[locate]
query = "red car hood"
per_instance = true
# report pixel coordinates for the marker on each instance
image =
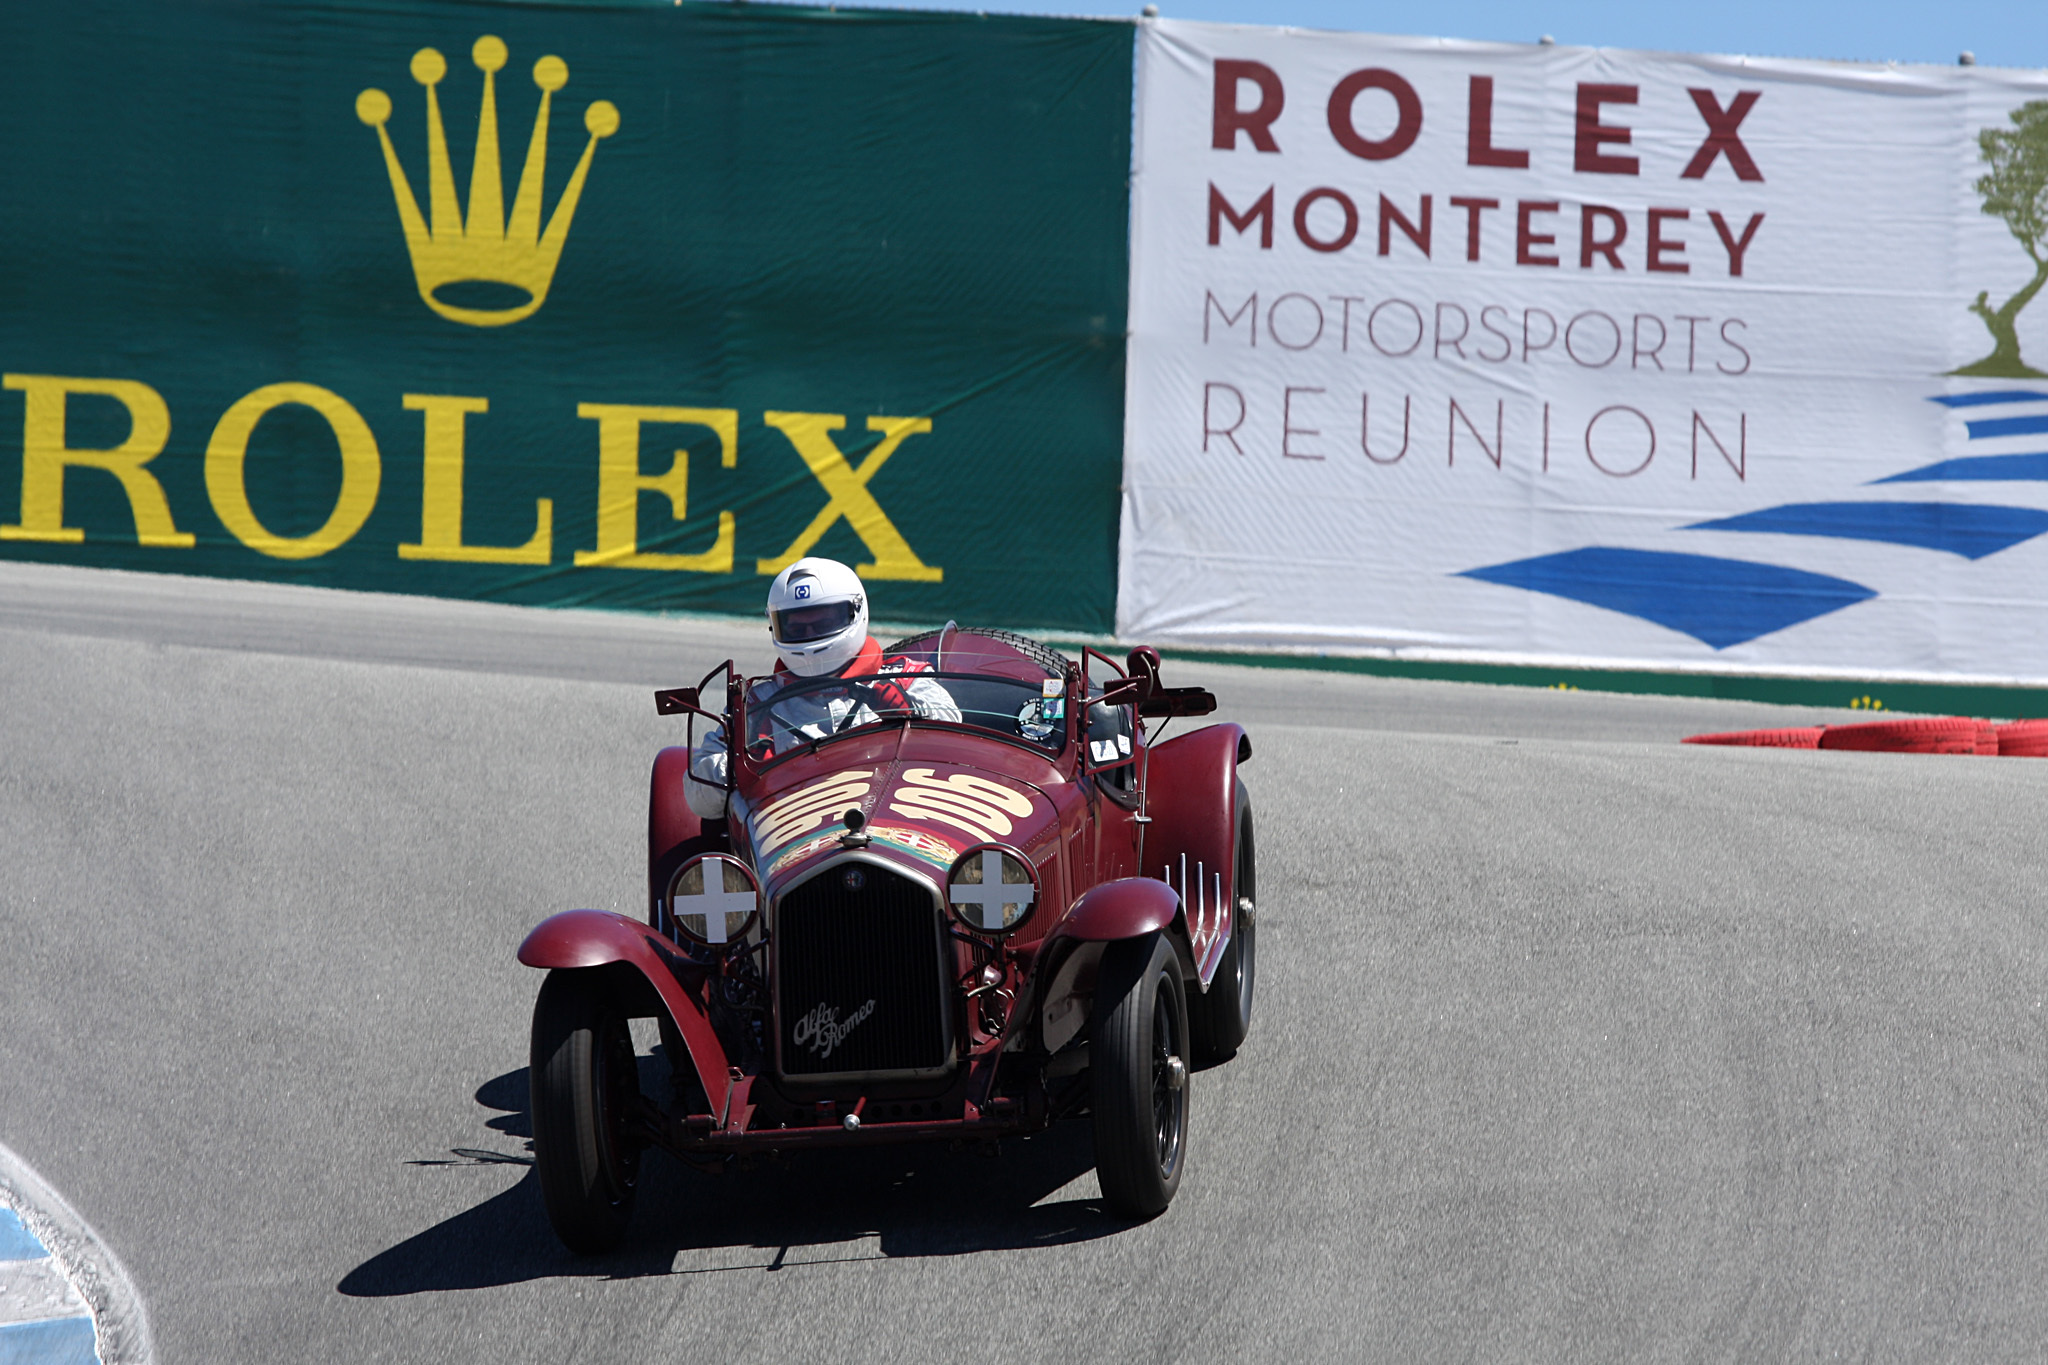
(923, 807)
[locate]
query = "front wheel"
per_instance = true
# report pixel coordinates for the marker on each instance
(585, 1082)
(1137, 1057)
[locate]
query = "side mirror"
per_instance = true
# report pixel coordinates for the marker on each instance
(1178, 701)
(673, 701)
(1154, 700)
(1123, 692)
(1143, 666)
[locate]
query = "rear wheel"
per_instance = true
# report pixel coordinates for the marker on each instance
(1221, 1017)
(1137, 1058)
(586, 1083)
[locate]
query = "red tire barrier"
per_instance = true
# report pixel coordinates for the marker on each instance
(2023, 739)
(1933, 735)
(1987, 738)
(1807, 737)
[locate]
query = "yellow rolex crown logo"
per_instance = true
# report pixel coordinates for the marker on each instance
(486, 250)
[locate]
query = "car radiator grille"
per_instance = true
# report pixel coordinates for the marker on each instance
(840, 947)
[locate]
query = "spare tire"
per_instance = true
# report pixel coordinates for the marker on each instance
(1044, 655)
(1804, 737)
(1929, 735)
(2023, 739)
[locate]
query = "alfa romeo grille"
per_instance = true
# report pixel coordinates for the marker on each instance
(858, 974)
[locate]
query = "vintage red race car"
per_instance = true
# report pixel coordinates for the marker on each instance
(962, 897)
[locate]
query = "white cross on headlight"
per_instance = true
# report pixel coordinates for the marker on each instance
(993, 893)
(715, 905)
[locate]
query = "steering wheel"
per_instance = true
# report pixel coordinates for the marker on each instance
(876, 703)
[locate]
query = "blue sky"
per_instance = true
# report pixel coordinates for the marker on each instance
(1999, 32)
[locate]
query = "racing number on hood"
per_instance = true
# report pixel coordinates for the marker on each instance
(975, 804)
(809, 807)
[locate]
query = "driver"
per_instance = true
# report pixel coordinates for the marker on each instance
(818, 619)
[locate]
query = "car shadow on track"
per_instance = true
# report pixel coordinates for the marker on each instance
(885, 1202)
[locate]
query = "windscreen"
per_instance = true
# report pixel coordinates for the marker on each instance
(781, 718)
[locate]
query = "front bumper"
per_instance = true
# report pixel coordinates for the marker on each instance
(784, 1127)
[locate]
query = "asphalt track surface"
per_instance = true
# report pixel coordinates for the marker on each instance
(1572, 1044)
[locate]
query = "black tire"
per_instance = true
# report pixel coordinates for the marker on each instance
(1221, 1017)
(1138, 1042)
(1048, 658)
(585, 1083)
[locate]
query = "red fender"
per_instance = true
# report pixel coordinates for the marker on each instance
(596, 938)
(1121, 909)
(1191, 795)
(669, 818)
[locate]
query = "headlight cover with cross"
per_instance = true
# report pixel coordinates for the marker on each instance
(714, 900)
(992, 889)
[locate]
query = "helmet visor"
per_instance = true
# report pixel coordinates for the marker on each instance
(804, 624)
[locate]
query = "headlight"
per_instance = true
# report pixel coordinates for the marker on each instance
(992, 889)
(714, 900)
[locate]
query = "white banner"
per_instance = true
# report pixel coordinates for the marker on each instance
(1461, 351)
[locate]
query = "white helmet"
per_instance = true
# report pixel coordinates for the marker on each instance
(817, 616)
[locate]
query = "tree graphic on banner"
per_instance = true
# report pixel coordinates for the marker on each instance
(2015, 189)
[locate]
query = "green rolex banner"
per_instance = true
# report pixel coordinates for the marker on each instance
(621, 305)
